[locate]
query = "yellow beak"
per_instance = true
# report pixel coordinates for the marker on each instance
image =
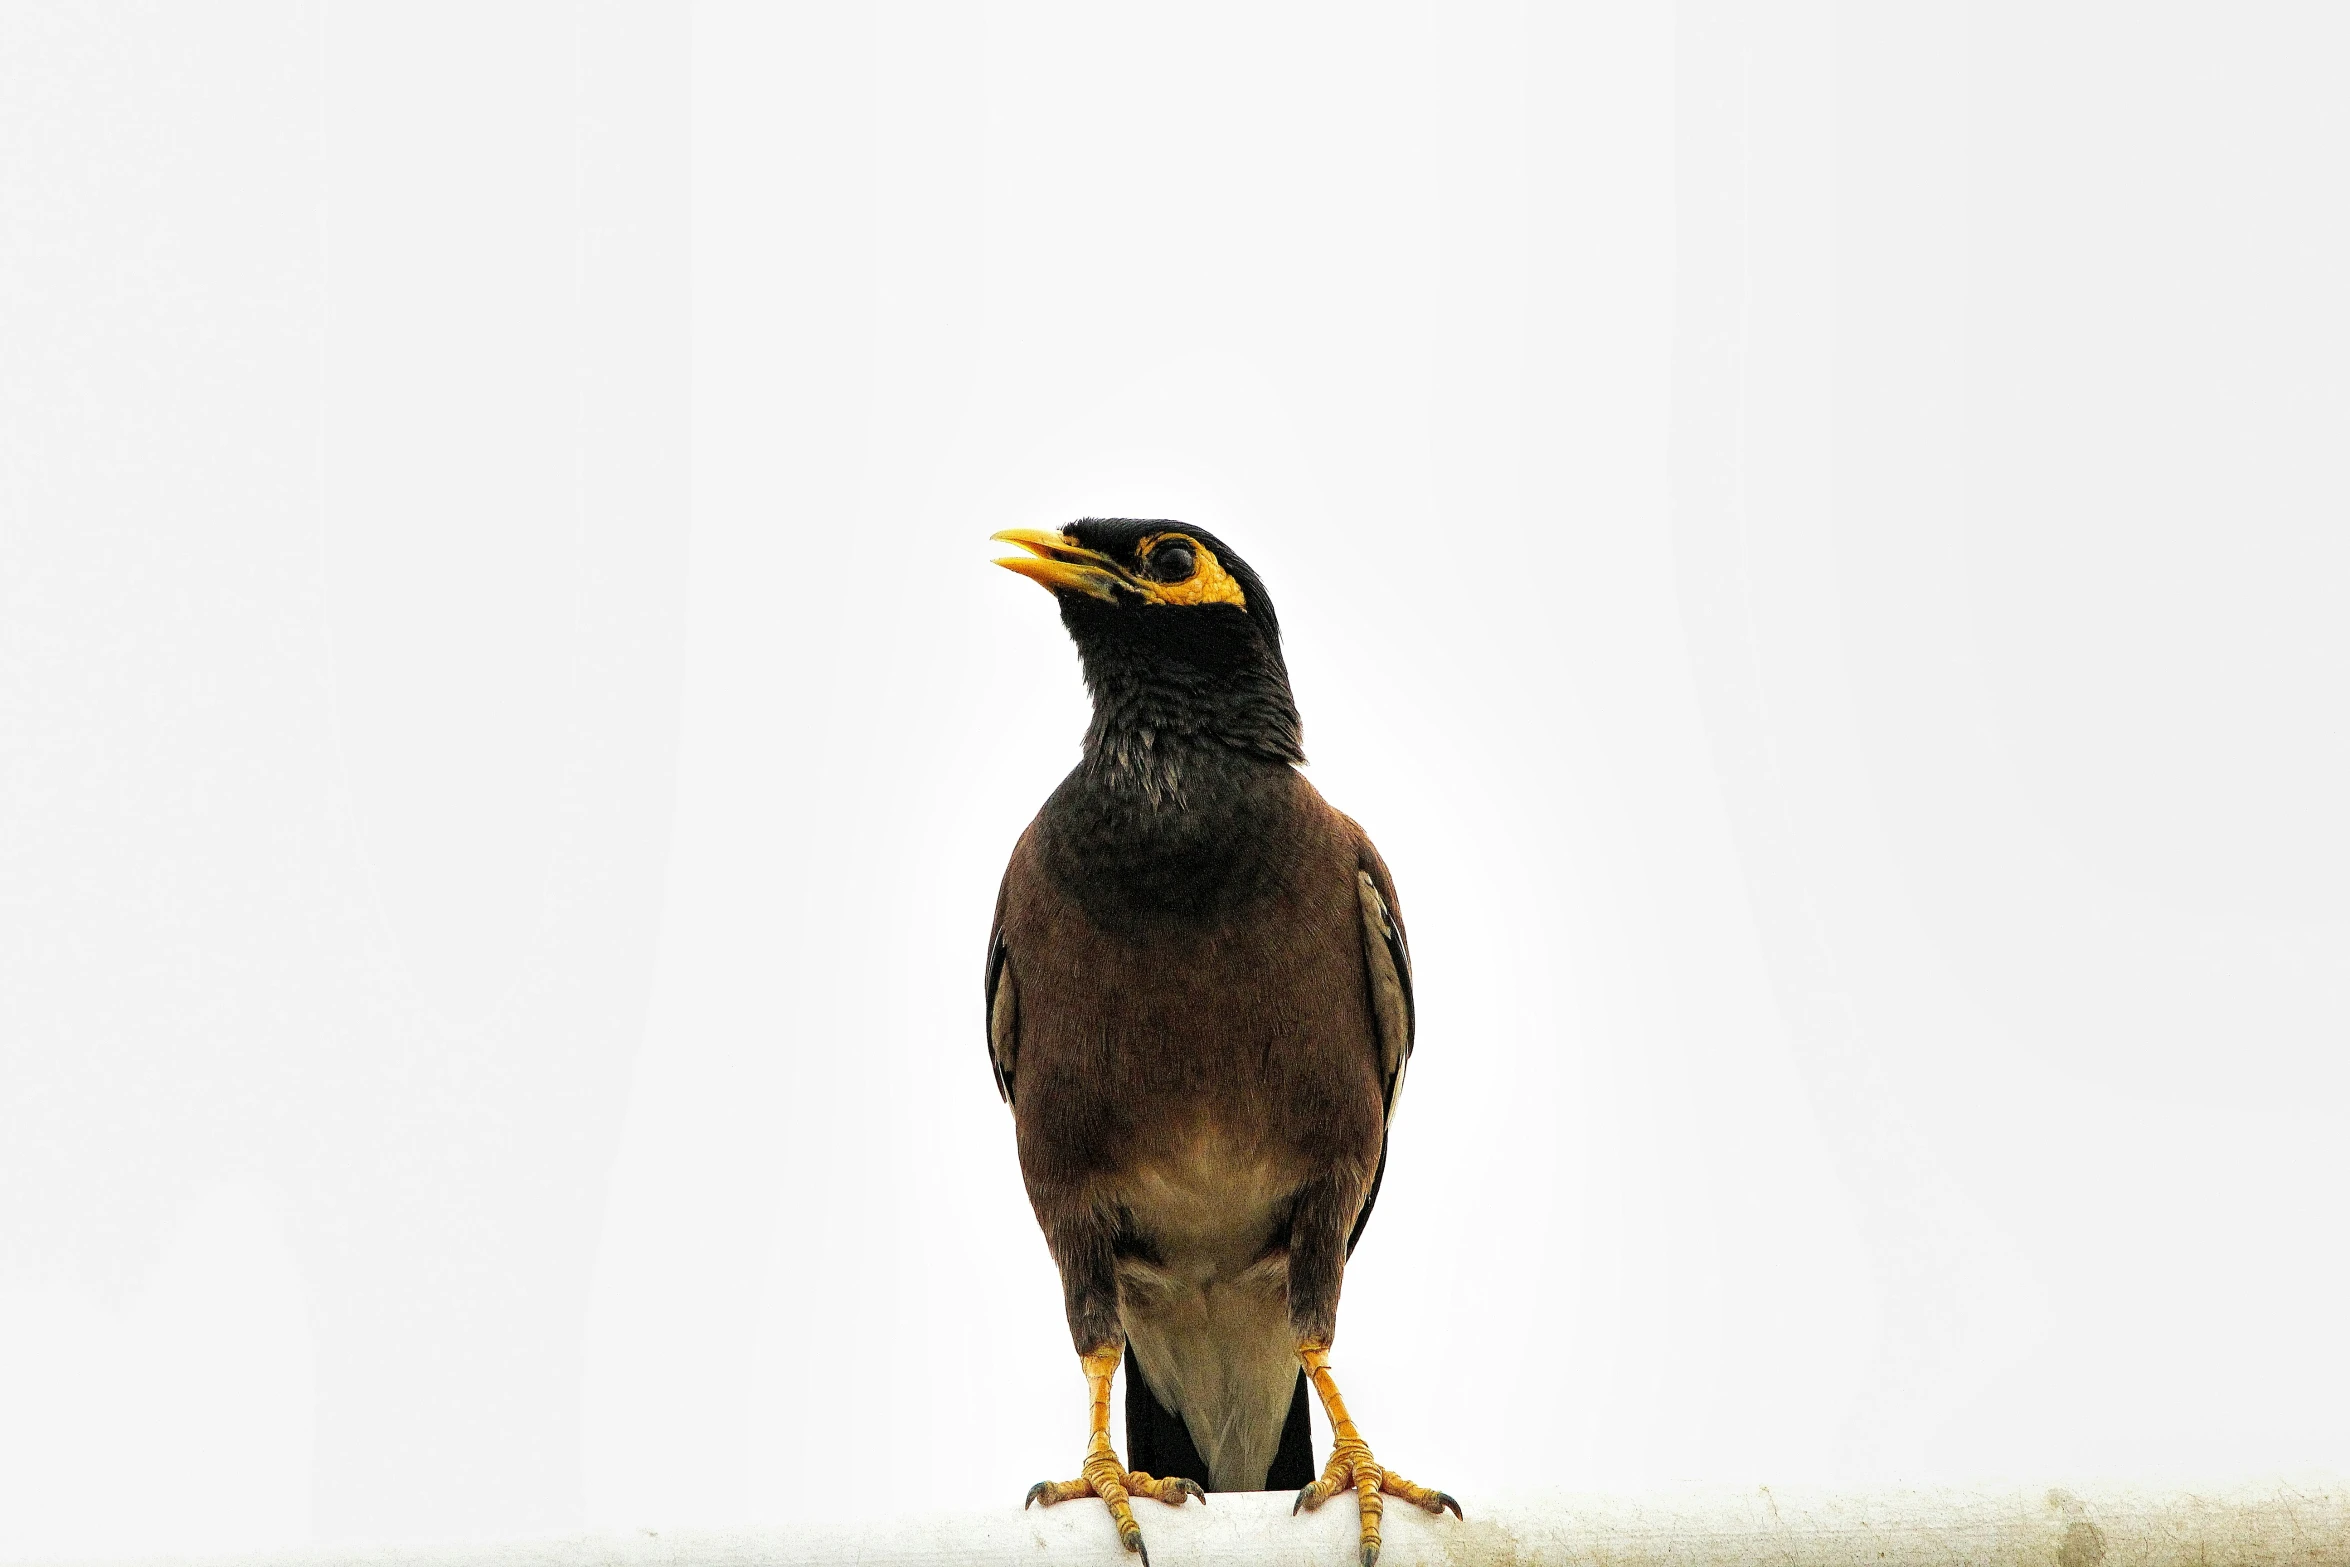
(1056, 561)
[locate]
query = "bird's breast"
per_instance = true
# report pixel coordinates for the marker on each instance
(1192, 1060)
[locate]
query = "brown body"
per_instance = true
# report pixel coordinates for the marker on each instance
(1201, 1106)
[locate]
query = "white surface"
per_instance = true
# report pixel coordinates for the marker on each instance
(1812, 535)
(2306, 1525)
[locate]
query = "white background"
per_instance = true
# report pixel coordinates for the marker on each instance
(1813, 535)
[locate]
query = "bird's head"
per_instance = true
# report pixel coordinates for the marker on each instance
(1177, 634)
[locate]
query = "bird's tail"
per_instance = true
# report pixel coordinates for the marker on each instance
(1159, 1443)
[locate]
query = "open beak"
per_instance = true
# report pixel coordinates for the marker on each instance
(1057, 563)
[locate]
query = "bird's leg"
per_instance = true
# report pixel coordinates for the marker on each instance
(1317, 1261)
(1102, 1474)
(1351, 1463)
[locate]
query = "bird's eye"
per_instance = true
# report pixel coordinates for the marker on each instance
(1172, 561)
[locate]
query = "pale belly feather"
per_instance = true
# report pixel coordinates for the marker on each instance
(1208, 1317)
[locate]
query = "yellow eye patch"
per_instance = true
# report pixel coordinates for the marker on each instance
(1209, 582)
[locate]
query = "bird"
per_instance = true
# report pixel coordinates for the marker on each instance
(1200, 1011)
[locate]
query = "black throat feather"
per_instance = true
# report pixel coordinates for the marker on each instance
(1178, 688)
(1185, 780)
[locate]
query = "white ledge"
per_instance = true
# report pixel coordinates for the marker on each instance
(2274, 1525)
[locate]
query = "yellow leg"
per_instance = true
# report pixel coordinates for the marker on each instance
(1351, 1464)
(1102, 1474)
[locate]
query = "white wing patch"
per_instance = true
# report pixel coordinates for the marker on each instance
(1003, 1017)
(1390, 963)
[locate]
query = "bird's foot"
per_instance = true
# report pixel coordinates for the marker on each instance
(1104, 1476)
(1352, 1467)
(1351, 1463)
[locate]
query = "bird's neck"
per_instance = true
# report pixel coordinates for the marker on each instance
(1186, 777)
(1173, 828)
(1158, 725)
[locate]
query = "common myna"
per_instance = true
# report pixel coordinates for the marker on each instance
(1199, 1007)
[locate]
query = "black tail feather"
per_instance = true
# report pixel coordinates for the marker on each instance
(1293, 1462)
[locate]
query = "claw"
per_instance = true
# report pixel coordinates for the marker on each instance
(1444, 1499)
(1351, 1464)
(1102, 1474)
(1116, 1487)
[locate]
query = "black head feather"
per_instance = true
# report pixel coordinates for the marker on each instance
(1170, 675)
